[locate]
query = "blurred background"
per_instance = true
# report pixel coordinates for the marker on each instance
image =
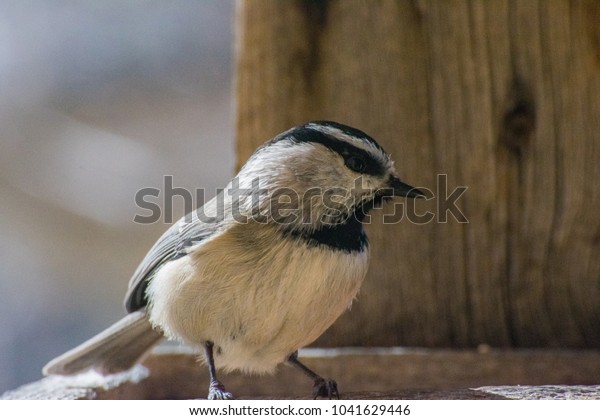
(98, 100)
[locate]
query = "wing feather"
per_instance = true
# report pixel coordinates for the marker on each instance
(188, 232)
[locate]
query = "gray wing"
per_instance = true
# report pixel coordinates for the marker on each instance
(173, 244)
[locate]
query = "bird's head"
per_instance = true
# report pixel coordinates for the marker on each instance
(318, 174)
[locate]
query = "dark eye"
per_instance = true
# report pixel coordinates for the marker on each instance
(355, 163)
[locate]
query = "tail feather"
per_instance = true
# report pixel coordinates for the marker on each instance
(115, 349)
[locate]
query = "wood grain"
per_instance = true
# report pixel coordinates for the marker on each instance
(501, 96)
(360, 373)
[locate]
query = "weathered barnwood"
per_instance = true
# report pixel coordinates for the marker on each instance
(361, 374)
(502, 96)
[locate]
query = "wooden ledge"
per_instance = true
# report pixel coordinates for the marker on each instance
(389, 373)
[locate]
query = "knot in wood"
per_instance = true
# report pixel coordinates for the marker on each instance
(519, 119)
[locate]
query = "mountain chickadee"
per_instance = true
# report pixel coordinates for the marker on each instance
(262, 269)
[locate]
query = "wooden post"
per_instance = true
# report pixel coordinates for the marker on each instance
(500, 96)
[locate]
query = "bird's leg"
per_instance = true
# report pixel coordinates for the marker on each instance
(216, 390)
(322, 387)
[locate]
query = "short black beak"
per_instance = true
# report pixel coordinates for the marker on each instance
(404, 190)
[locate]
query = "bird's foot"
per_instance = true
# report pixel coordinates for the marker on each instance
(216, 391)
(326, 388)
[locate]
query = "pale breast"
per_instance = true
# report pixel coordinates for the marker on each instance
(258, 299)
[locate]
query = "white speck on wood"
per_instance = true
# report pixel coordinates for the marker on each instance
(80, 386)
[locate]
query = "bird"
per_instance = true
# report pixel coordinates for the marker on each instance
(263, 268)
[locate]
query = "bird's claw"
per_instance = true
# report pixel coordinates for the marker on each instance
(216, 391)
(326, 388)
